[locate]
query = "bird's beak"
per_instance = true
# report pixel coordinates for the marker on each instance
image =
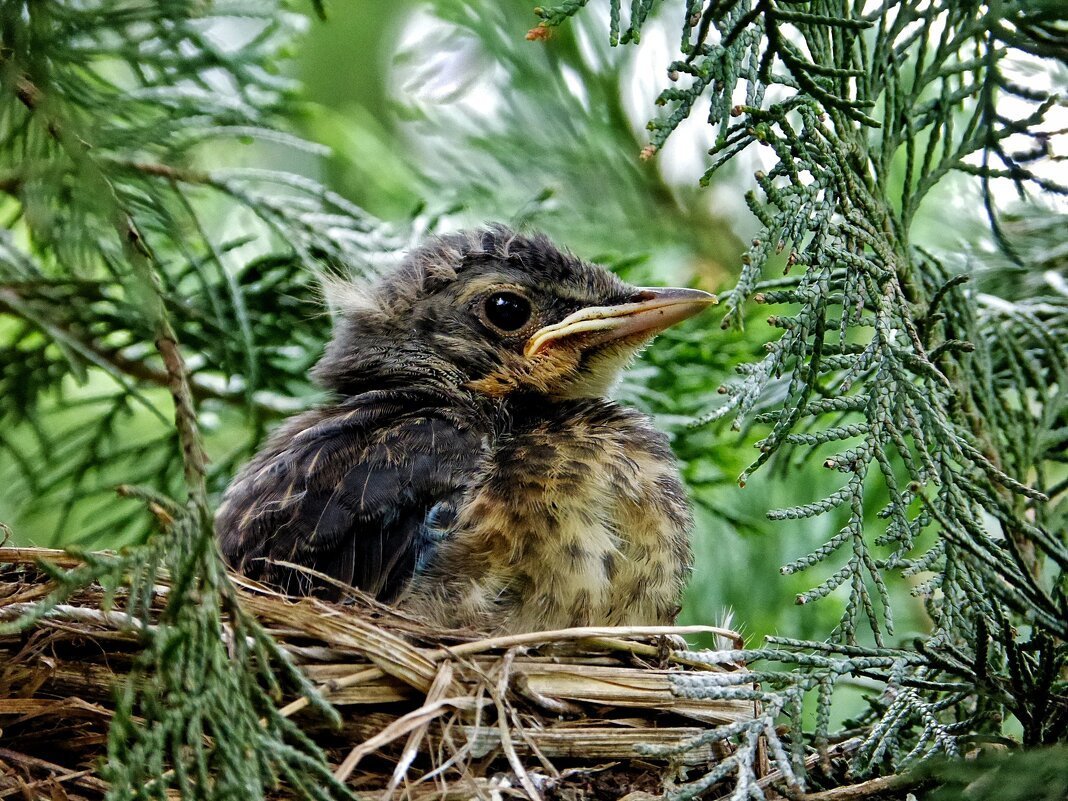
(649, 311)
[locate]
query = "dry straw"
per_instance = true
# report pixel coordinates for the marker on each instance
(426, 713)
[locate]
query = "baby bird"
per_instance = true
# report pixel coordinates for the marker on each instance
(471, 469)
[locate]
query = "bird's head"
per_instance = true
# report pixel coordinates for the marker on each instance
(499, 313)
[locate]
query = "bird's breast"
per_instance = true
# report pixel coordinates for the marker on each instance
(576, 517)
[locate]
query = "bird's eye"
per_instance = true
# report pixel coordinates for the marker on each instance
(507, 310)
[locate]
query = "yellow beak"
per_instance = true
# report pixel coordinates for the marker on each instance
(652, 310)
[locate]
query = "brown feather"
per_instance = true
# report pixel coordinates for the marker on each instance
(460, 478)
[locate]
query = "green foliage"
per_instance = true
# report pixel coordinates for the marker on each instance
(110, 111)
(888, 369)
(188, 686)
(1036, 775)
(541, 135)
(930, 386)
(115, 236)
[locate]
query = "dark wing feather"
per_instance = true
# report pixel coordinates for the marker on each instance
(346, 492)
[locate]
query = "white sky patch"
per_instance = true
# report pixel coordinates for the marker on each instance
(591, 34)
(1043, 77)
(645, 73)
(684, 156)
(575, 85)
(440, 64)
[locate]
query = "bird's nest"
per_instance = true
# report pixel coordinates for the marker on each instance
(427, 713)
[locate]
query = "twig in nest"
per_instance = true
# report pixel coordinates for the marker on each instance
(463, 751)
(555, 706)
(54, 556)
(87, 782)
(582, 633)
(24, 787)
(532, 744)
(346, 590)
(442, 684)
(854, 792)
(351, 680)
(398, 728)
(78, 614)
(506, 735)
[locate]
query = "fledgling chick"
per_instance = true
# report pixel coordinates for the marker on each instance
(471, 468)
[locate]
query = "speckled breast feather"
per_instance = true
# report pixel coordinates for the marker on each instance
(576, 517)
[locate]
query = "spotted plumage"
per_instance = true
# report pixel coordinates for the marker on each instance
(470, 468)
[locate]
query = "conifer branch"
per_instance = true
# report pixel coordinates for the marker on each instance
(898, 375)
(117, 267)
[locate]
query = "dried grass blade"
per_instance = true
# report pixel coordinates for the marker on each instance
(442, 684)
(398, 728)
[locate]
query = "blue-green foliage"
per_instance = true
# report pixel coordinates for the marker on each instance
(115, 238)
(113, 115)
(947, 403)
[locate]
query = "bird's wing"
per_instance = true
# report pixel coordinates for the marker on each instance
(353, 492)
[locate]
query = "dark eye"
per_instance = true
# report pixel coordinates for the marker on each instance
(507, 310)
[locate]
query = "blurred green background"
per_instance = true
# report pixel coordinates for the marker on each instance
(440, 116)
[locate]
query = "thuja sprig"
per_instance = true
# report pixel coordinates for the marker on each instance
(890, 369)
